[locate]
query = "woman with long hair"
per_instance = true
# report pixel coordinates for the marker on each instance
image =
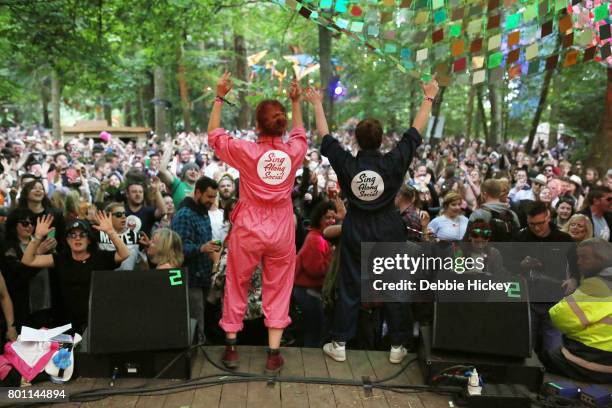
(564, 209)
(166, 249)
(34, 198)
(263, 228)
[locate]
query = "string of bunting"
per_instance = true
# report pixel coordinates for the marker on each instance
(471, 41)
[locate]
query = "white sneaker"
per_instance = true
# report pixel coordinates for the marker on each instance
(397, 354)
(335, 351)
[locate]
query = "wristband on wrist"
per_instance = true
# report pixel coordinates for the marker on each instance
(429, 98)
(220, 99)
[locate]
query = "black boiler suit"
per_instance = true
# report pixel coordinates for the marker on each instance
(370, 181)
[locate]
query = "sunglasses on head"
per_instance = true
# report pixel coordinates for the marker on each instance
(119, 214)
(75, 235)
(25, 223)
(481, 232)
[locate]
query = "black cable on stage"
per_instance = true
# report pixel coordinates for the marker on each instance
(229, 376)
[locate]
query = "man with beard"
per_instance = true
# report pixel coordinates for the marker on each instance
(226, 189)
(598, 208)
(192, 223)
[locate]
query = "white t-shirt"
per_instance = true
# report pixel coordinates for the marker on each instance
(212, 169)
(216, 224)
(600, 227)
(130, 238)
(447, 229)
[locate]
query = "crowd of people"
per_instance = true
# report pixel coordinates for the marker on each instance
(239, 209)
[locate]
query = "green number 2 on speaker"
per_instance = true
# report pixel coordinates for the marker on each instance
(514, 291)
(175, 277)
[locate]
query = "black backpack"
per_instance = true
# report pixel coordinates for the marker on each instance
(503, 226)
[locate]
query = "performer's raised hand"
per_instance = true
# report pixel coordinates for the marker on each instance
(224, 84)
(313, 95)
(430, 89)
(295, 92)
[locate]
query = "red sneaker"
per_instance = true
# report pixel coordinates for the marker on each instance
(274, 364)
(230, 357)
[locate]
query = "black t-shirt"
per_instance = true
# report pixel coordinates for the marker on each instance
(147, 219)
(73, 282)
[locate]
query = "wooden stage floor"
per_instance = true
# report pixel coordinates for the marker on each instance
(309, 362)
(301, 362)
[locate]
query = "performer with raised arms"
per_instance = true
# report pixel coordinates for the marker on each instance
(263, 228)
(371, 181)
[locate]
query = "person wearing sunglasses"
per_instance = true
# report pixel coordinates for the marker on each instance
(476, 244)
(29, 288)
(129, 236)
(74, 266)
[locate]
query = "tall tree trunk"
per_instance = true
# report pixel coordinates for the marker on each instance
(601, 145)
(477, 126)
(553, 119)
(160, 102)
(505, 114)
(541, 106)
(108, 112)
(183, 90)
(542, 102)
(127, 113)
(149, 95)
(413, 101)
(140, 108)
(56, 96)
(44, 100)
(482, 114)
(436, 110)
(326, 73)
(241, 75)
(470, 114)
(495, 132)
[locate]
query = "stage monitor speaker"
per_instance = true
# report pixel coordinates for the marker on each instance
(138, 311)
(500, 329)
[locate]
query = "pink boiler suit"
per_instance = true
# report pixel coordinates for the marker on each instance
(263, 229)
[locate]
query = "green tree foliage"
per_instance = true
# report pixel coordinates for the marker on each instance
(106, 53)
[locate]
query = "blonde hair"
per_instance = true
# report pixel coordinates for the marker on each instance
(72, 203)
(579, 217)
(57, 200)
(169, 248)
(449, 198)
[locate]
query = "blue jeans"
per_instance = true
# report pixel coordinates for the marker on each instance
(312, 313)
(545, 336)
